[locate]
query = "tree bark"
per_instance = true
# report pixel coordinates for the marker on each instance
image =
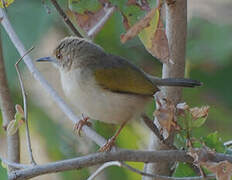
(8, 112)
(176, 31)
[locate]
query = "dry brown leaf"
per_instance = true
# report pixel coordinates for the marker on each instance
(88, 20)
(160, 48)
(223, 169)
(139, 26)
(201, 112)
(165, 114)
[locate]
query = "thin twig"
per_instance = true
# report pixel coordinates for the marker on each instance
(94, 30)
(165, 177)
(152, 127)
(65, 18)
(25, 107)
(14, 165)
(122, 155)
(38, 76)
(104, 166)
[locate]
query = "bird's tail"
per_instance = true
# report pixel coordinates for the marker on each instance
(182, 82)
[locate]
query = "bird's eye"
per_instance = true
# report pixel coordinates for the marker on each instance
(58, 56)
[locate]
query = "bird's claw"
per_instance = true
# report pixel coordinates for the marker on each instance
(108, 146)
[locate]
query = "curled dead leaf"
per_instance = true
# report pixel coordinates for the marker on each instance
(160, 47)
(165, 114)
(199, 112)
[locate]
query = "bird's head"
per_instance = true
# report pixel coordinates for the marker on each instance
(72, 52)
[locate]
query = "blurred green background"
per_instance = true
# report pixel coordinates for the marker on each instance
(209, 53)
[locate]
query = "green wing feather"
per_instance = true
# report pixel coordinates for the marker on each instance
(124, 77)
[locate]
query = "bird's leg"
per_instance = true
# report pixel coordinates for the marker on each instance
(111, 141)
(84, 121)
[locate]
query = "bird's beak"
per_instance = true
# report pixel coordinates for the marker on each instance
(47, 59)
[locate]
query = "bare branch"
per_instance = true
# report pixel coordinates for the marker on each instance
(122, 155)
(8, 112)
(59, 101)
(25, 107)
(65, 18)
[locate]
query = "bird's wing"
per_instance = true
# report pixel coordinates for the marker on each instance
(119, 75)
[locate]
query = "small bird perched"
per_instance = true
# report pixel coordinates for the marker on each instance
(103, 86)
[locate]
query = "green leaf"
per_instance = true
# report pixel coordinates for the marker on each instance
(3, 171)
(198, 122)
(183, 170)
(80, 6)
(214, 142)
(5, 3)
(180, 140)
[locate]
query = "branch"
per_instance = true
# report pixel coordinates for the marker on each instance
(122, 155)
(8, 112)
(25, 107)
(94, 30)
(37, 75)
(176, 31)
(65, 18)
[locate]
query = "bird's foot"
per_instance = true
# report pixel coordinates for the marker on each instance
(78, 126)
(108, 146)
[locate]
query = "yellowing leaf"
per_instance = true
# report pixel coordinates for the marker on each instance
(12, 128)
(4, 165)
(150, 30)
(19, 115)
(5, 3)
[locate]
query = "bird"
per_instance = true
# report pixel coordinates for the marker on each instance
(104, 86)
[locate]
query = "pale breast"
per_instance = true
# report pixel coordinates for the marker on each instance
(90, 99)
